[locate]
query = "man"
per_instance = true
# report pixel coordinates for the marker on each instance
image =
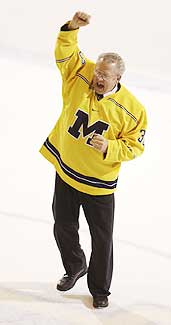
(101, 125)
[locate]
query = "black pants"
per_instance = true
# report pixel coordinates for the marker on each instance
(99, 213)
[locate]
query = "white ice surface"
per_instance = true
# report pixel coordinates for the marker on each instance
(30, 263)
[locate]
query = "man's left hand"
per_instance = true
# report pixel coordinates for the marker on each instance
(99, 143)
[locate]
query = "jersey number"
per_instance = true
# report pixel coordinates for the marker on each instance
(141, 138)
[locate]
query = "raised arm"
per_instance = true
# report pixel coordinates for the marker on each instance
(68, 56)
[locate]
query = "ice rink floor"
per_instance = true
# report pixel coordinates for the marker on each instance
(140, 291)
(30, 264)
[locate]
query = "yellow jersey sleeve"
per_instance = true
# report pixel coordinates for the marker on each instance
(68, 56)
(130, 144)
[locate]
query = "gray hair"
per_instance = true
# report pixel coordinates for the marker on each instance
(113, 58)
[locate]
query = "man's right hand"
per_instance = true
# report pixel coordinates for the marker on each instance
(79, 19)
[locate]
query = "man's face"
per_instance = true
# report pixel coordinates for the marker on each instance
(105, 77)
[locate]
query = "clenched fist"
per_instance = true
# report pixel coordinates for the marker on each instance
(99, 143)
(79, 19)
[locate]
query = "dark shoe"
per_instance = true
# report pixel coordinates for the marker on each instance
(100, 302)
(68, 281)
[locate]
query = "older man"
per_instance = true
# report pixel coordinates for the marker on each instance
(101, 125)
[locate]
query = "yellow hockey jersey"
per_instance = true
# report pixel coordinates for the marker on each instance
(119, 117)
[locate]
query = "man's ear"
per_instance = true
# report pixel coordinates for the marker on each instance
(119, 78)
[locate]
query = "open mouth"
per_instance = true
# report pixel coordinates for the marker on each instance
(99, 85)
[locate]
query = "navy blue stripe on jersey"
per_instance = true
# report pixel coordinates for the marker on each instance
(63, 60)
(92, 181)
(82, 77)
(131, 115)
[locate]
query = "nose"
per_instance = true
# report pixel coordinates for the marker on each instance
(100, 77)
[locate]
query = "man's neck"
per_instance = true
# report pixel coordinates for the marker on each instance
(114, 90)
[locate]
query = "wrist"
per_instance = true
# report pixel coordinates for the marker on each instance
(72, 25)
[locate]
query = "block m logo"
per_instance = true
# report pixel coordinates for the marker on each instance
(82, 120)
